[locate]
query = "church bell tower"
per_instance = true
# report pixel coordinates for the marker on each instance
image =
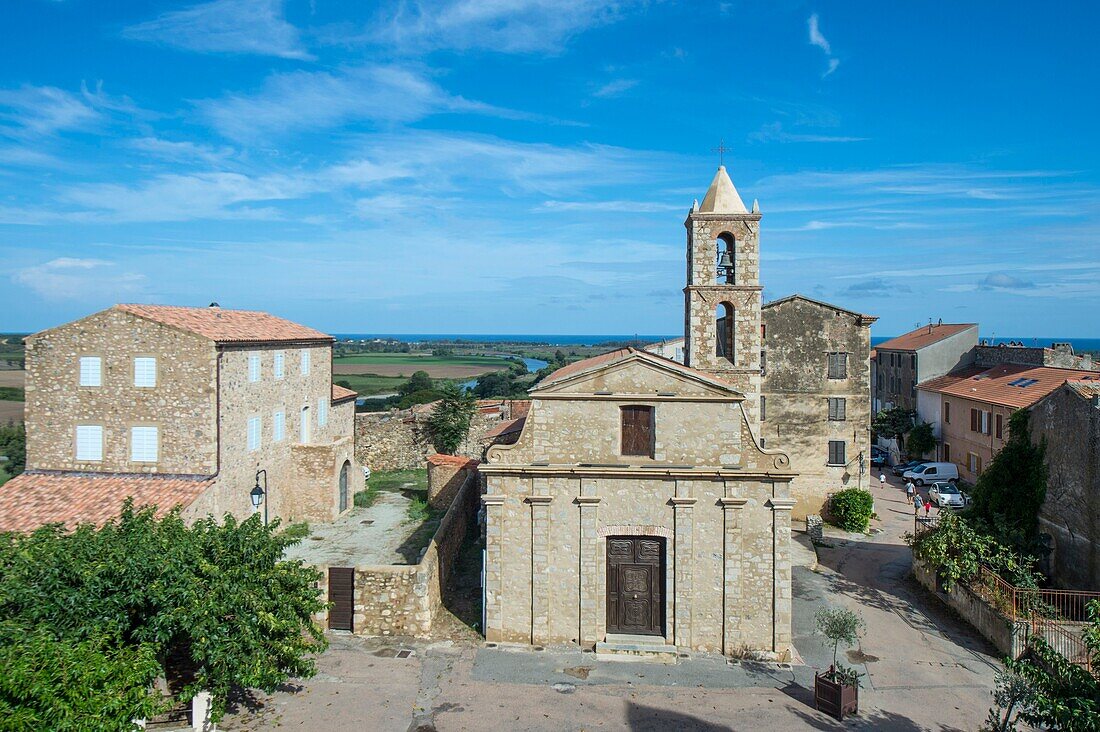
(722, 298)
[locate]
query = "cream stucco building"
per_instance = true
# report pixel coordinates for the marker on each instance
(182, 406)
(638, 508)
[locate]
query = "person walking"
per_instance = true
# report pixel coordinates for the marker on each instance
(882, 480)
(910, 489)
(927, 507)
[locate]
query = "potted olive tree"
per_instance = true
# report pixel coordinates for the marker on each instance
(836, 692)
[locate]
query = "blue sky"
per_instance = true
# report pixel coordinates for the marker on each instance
(525, 166)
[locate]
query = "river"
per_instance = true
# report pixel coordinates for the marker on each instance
(533, 365)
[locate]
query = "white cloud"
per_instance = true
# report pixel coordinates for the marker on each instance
(611, 206)
(42, 110)
(1003, 281)
(819, 40)
(70, 278)
(301, 100)
(775, 132)
(182, 152)
(615, 88)
(510, 26)
(225, 26)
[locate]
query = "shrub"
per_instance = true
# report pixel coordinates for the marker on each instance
(366, 497)
(851, 509)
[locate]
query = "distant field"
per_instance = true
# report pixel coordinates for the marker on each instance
(11, 412)
(12, 378)
(404, 364)
(368, 384)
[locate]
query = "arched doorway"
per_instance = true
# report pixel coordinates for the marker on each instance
(344, 470)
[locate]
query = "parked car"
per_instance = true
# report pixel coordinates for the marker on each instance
(931, 472)
(946, 495)
(900, 468)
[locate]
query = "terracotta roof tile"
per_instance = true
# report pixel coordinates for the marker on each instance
(1005, 384)
(340, 393)
(227, 326)
(1087, 389)
(507, 427)
(621, 354)
(923, 336)
(458, 460)
(31, 500)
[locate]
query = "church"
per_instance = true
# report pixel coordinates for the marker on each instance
(640, 509)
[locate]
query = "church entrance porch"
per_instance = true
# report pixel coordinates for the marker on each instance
(635, 585)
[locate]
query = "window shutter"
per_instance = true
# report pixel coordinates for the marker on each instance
(305, 362)
(91, 371)
(278, 426)
(145, 371)
(143, 444)
(253, 433)
(973, 420)
(637, 431)
(280, 361)
(89, 442)
(253, 367)
(1000, 426)
(841, 409)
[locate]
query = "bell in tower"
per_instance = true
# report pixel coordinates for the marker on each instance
(723, 295)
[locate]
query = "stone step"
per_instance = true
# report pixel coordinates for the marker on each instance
(636, 648)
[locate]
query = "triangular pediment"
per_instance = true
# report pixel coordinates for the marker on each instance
(638, 374)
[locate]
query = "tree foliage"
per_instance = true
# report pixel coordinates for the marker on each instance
(13, 445)
(102, 612)
(920, 441)
(840, 625)
(894, 422)
(958, 546)
(449, 422)
(851, 509)
(1011, 490)
(1065, 695)
(419, 381)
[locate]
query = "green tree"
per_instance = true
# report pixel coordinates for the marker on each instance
(1011, 490)
(559, 357)
(959, 545)
(920, 441)
(851, 509)
(13, 446)
(217, 595)
(893, 423)
(449, 422)
(419, 381)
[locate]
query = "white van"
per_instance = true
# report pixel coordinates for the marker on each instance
(931, 472)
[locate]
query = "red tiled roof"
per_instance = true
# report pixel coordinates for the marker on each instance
(923, 336)
(340, 394)
(1087, 389)
(997, 385)
(620, 354)
(457, 460)
(31, 500)
(520, 407)
(227, 326)
(507, 427)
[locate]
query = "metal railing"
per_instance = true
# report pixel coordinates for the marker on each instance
(922, 524)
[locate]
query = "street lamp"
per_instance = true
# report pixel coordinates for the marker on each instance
(258, 494)
(862, 469)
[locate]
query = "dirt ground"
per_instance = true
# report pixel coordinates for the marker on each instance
(435, 371)
(10, 411)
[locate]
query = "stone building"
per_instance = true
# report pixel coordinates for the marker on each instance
(969, 409)
(182, 406)
(816, 395)
(637, 510)
(1068, 419)
(926, 353)
(1058, 355)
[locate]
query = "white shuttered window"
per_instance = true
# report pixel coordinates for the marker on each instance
(305, 361)
(89, 442)
(143, 444)
(322, 412)
(253, 433)
(91, 371)
(280, 364)
(279, 427)
(145, 371)
(253, 367)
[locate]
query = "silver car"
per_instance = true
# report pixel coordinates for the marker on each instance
(945, 495)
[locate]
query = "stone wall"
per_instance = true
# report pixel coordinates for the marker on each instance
(403, 600)
(799, 334)
(1070, 424)
(446, 475)
(1008, 637)
(1059, 355)
(399, 440)
(181, 405)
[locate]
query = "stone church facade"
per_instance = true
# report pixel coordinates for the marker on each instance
(638, 505)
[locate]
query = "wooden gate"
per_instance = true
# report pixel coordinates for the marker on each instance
(341, 593)
(636, 585)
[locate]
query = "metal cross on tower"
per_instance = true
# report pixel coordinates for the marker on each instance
(721, 150)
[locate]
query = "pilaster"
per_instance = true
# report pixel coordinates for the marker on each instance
(494, 520)
(540, 500)
(684, 557)
(781, 573)
(731, 573)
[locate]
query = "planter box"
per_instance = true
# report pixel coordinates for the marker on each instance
(835, 698)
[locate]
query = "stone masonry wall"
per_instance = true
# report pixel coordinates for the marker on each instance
(399, 440)
(399, 600)
(181, 405)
